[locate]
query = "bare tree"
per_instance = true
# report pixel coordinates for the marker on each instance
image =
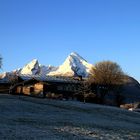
(107, 76)
(13, 79)
(0, 62)
(84, 91)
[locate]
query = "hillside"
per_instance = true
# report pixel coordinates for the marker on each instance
(32, 118)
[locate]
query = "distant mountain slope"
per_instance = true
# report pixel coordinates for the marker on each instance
(132, 90)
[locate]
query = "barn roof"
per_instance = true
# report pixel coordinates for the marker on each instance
(59, 79)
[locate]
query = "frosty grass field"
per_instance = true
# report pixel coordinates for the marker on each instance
(28, 118)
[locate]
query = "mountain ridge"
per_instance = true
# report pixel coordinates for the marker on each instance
(74, 65)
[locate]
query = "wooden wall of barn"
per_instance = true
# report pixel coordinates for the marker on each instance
(31, 89)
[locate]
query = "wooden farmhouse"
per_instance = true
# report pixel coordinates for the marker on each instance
(49, 86)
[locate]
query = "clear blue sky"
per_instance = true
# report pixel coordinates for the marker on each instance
(49, 30)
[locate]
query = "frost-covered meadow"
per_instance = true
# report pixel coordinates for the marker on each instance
(28, 118)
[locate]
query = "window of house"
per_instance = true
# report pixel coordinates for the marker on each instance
(31, 89)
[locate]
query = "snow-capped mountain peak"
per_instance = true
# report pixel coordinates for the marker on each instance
(74, 65)
(31, 68)
(34, 68)
(76, 55)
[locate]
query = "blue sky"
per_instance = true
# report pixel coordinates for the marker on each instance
(49, 30)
